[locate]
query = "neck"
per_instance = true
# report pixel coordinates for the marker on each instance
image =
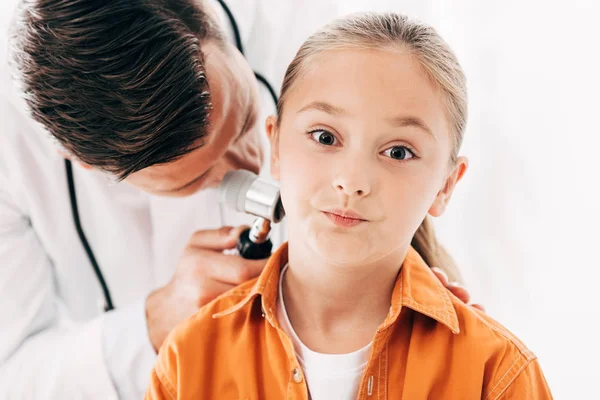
(324, 302)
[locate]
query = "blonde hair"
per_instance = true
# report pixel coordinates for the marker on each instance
(396, 31)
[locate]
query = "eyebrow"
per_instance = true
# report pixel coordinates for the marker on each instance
(400, 121)
(323, 106)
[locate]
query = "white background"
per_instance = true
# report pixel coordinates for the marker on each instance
(523, 225)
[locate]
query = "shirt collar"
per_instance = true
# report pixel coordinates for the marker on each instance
(420, 290)
(416, 288)
(266, 286)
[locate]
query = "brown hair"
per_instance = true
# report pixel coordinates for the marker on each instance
(121, 85)
(388, 31)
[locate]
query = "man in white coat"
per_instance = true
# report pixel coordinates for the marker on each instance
(152, 103)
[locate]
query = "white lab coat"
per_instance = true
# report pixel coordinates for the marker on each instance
(55, 340)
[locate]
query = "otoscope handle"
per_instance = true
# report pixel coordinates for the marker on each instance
(253, 251)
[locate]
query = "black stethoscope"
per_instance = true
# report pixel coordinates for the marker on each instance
(108, 305)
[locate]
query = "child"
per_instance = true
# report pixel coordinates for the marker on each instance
(365, 145)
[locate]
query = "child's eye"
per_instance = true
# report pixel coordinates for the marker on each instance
(323, 137)
(401, 153)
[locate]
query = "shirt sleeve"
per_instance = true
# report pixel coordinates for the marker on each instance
(163, 381)
(528, 383)
(128, 351)
(158, 391)
(43, 353)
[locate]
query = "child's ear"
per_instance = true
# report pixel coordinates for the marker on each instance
(273, 135)
(443, 197)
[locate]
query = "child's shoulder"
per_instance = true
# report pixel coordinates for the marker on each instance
(204, 319)
(197, 331)
(508, 362)
(478, 324)
(190, 349)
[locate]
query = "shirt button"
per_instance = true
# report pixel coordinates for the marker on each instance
(297, 375)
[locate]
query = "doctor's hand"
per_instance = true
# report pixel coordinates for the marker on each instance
(203, 273)
(455, 288)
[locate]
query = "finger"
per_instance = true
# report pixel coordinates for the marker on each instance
(478, 306)
(234, 269)
(459, 292)
(441, 275)
(216, 239)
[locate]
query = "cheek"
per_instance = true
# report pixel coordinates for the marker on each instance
(406, 197)
(299, 173)
(301, 160)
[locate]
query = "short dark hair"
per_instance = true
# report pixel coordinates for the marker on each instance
(120, 84)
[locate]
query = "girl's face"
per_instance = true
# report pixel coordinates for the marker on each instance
(364, 133)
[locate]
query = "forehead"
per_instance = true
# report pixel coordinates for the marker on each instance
(383, 82)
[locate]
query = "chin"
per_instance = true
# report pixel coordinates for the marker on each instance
(339, 249)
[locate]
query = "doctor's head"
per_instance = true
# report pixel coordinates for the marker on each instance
(148, 91)
(370, 122)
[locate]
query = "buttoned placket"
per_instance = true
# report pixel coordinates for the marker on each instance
(374, 382)
(375, 379)
(297, 386)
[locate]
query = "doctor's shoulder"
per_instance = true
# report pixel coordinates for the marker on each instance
(24, 143)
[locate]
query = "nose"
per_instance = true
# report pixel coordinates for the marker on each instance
(352, 181)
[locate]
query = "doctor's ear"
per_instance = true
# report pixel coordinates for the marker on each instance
(443, 197)
(273, 135)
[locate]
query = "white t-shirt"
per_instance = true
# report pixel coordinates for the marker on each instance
(328, 376)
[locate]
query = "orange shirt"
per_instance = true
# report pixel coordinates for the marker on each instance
(430, 346)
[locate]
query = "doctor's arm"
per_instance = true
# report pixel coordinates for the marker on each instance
(43, 352)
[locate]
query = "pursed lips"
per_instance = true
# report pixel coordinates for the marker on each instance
(344, 217)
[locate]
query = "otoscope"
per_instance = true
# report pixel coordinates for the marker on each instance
(246, 192)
